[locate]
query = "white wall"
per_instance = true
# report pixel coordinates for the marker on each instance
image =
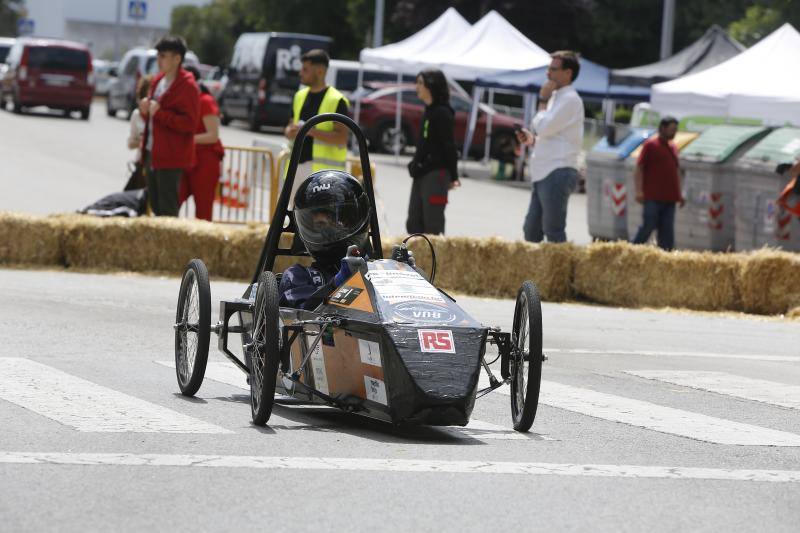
(50, 16)
(94, 22)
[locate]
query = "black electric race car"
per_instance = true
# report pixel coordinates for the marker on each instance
(386, 344)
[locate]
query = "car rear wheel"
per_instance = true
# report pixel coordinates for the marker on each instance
(85, 111)
(253, 122)
(526, 360)
(386, 137)
(265, 349)
(192, 327)
(15, 107)
(110, 111)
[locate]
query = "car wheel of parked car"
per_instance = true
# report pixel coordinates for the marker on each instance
(503, 146)
(253, 122)
(386, 135)
(223, 119)
(15, 107)
(110, 111)
(85, 113)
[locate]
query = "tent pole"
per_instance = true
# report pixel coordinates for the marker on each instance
(397, 127)
(357, 110)
(526, 123)
(487, 144)
(477, 94)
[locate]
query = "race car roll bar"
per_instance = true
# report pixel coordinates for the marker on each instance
(278, 226)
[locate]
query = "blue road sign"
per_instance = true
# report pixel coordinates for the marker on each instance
(25, 26)
(137, 9)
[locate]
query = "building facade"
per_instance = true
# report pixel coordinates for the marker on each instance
(109, 27)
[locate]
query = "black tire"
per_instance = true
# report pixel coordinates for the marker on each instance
(265, 351)
(223, 118)
(503, 145)
(111, 112)
(85, 112)
(526, 358)
(15, 107)
(192, 327)
(252, 121)
(384, 138)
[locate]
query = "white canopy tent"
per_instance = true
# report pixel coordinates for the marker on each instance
(760, 83)
(448, 28)
(461, 51)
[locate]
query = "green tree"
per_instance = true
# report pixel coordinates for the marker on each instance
(10, 11)
(757, 23)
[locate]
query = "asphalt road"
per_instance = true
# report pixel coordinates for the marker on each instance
(52, 164)
(648, 421)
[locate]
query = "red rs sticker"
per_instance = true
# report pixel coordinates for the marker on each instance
(436, 340)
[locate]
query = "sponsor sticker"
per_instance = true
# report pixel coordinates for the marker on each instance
(376, 390)
(318, 368)
(436, 341)
(370, 352)
(423, 312)
(345, 295)
(395, 286)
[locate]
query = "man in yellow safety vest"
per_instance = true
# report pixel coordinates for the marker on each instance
(326, 144)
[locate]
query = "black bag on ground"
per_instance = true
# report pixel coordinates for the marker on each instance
(137, 179)
(119, 204)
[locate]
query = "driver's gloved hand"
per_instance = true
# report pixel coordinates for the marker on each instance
(343, 274)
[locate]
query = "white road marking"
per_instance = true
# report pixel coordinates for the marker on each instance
(657, 417)
(400, 465)
(650, 353)
(86, 406)
(757, 390)
(227, 373)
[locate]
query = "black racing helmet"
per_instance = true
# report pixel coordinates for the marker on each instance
(332, 211)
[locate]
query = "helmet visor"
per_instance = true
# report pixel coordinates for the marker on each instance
(332, 222)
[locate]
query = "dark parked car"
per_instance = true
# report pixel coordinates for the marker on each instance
(49, 72)
(263, 76)
(377, 119)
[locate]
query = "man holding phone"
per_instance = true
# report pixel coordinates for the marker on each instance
(171, 113)
(557, 138)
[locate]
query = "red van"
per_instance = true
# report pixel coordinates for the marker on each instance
(49, 72)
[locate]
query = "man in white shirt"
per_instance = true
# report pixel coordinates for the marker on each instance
(557, 138)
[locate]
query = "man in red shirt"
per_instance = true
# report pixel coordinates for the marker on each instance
(171, 112)
(658, 185)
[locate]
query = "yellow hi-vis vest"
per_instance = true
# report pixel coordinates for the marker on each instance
(323, 155)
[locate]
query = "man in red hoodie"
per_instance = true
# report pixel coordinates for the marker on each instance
(171, 113)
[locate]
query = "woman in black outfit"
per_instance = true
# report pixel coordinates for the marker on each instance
(434, 165)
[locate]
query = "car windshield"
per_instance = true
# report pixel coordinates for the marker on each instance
(55, 58)
(4, 52)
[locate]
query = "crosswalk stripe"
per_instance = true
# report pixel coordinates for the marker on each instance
(658, 417)
(86, 406)
(224, 372)
(651, 353)
(757, 390)
(400, 465)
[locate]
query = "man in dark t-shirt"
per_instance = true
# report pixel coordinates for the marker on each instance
(658, 185)
(325, 146)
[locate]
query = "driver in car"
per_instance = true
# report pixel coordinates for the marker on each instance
(331, 211)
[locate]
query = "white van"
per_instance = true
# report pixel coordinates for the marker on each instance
(344, 75)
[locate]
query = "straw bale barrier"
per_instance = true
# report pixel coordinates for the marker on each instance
(764, 282)
(638, 276)
(494, 267)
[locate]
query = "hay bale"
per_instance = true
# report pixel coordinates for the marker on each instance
(162, 244)
(644, 276)
(794, 313)
(494, 267)
(29, 240)
(770, 282)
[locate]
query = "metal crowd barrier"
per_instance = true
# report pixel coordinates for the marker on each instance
(247, 174)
